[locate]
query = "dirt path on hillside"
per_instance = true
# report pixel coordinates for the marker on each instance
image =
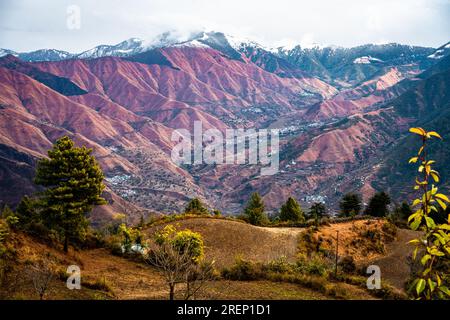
(394, 266)
(283, 230)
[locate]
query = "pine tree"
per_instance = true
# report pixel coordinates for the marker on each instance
(378, 205)
(291, 211)
(74, 183)
(350, 205)
(28, 212)
(405, 211)
(255, 210)
(195, 206)
(317, 211)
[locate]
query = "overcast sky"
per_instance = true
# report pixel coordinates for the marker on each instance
(33, 24)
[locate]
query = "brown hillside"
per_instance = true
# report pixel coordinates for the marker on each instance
(225, 240)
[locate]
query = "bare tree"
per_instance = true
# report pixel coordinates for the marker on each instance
(172, 263)
(179, 267)
(197, 276)
(42, 275)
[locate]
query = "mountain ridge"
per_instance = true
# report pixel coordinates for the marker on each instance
(126, 108)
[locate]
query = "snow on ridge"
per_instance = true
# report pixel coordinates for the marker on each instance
(5, 52)
(366, 60)
(438, 54)
(237, 42)
(192, 43)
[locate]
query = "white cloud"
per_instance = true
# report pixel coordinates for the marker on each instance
(29, 24)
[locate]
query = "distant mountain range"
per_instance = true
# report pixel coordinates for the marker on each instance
(343, 115)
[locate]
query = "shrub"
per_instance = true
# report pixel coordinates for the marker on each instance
(347, 264)
(10, 217)
(389, 229)
(280, 265)
(243, 270)
(314, 265)
(195, 206)
(308, 243)
(131, 240)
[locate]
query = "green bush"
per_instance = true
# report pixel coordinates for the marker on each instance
(243, 270)
(280, 265)
(195, 206)
(314, 265)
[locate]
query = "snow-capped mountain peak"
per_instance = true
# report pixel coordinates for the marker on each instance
(233, 46)
(5, 52)
(440, 52)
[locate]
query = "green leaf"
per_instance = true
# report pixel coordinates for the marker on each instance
(438, 279)
(420, 286)
(445, 290)
(416, 223)
(426, 271)
(444, 226)
(436, 252)
(441, 203)
(430, 222)
(415, 253)
(431, 284)
(414, 215)
(424, 259)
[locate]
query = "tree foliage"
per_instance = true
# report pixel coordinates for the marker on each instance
(292, 211)
(254, 211)
(195, 206)
(402, 212)
(433, 247)
(350, 205)
(378, 205)
(74, 183)
(180, 257)
(317, 211)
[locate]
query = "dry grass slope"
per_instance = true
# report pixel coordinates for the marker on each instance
(225, 240)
